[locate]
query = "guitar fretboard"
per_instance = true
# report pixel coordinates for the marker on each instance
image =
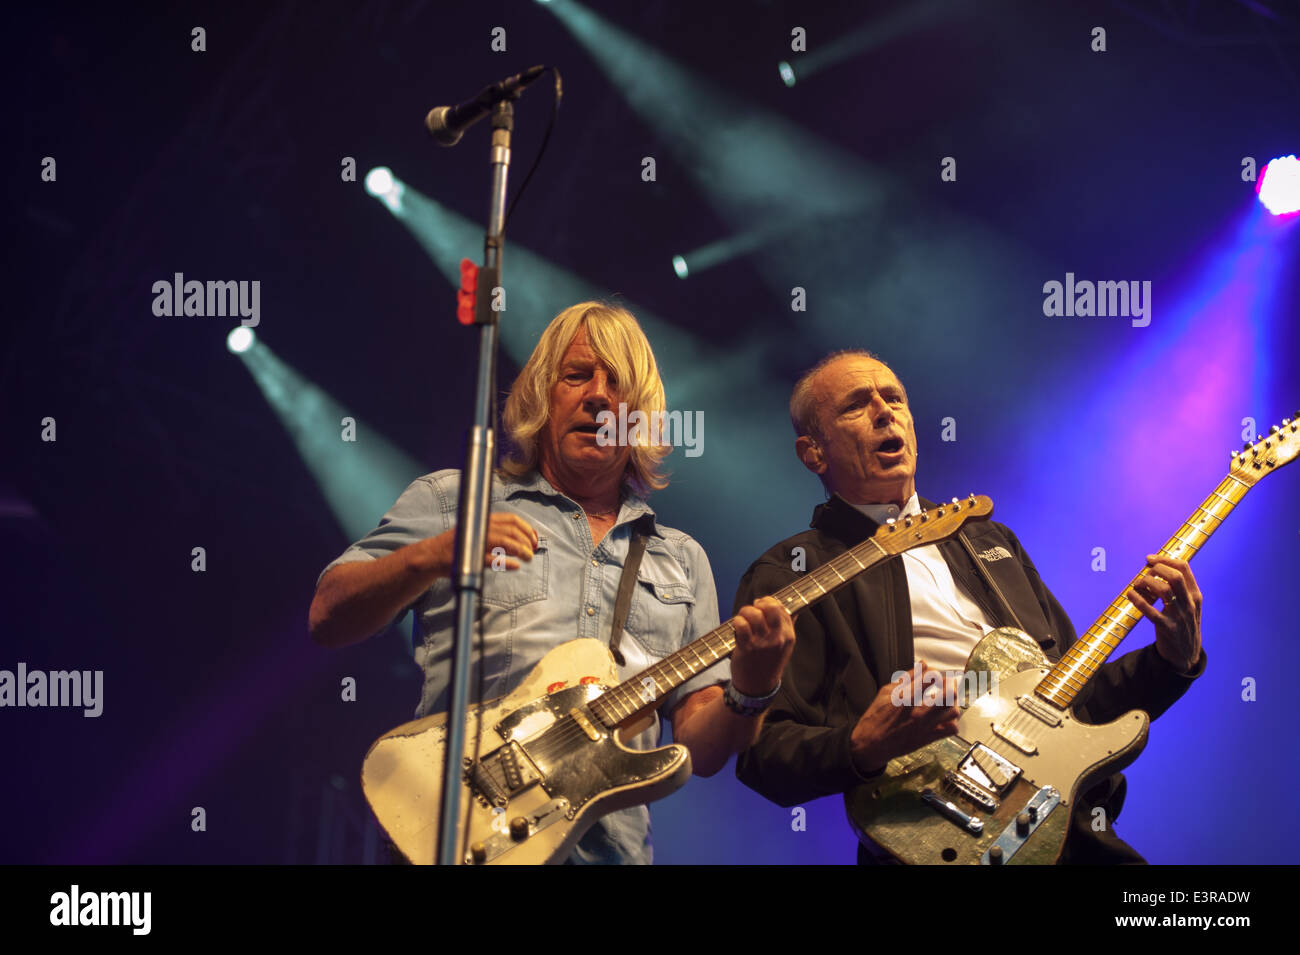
(643, 690)
(1077, 666)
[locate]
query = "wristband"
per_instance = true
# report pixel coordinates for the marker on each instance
(738, 702)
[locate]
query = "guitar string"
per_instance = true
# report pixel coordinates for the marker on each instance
(567, 729)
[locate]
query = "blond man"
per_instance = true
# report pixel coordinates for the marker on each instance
(565, 507)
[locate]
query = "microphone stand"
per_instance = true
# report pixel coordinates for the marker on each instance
(475, 488)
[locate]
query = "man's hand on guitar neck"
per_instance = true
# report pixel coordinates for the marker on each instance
(707, 727)
(900, 719)
(1178, 622)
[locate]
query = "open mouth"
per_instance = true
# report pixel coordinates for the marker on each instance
(587, 428)
(890, 446)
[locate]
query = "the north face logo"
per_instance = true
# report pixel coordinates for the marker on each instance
(995, 553)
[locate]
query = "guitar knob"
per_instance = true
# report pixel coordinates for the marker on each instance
(995, 855)
(1022, 824)
(478, 852)
(519, 828)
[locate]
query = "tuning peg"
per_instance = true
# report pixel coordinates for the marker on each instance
(907, 522)
(1274, 430)
(1246, 446)
(1234, 455)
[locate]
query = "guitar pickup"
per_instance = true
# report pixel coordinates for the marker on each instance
(998, 771)
(1016, 738)
(498, 776)
(1040, 710)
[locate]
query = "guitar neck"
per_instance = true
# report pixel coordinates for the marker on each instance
(616, 705)
(1090, 651)
(642, 691)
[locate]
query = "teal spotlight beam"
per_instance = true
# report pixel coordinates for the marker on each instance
(874, 34)
(732, 247)
(753, 163)
(543, 288)
(832, 210)
(360, 479)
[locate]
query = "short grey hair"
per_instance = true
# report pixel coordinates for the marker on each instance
(803, 405)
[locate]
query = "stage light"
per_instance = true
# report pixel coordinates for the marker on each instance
(787, 73)
(379, 181)
(240, 340)
(1279, 186)
(384, 186)
(679, 266)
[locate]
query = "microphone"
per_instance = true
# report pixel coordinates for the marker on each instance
(447, 123)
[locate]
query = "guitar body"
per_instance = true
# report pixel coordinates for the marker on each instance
(537, 771)
(1014, 753)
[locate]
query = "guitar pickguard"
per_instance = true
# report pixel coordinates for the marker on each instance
(535, 778)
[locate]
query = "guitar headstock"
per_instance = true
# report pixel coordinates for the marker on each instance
(1269, 452)
(928, 527)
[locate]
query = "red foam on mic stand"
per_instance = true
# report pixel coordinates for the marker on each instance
(465, 294)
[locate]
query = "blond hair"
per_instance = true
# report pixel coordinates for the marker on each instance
(618, 341)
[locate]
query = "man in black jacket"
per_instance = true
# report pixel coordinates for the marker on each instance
(833, 724)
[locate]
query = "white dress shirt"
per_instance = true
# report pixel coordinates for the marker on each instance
(946, 622)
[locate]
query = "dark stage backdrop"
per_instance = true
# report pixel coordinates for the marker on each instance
(166, 506)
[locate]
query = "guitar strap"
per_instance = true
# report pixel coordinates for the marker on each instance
(635, 548)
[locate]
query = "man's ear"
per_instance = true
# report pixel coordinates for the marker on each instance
(810, 453)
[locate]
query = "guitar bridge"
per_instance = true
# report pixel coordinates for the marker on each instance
(495, 778)
(972, 791)
(983, 775)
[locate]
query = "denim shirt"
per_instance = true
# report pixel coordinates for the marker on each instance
(567, 591)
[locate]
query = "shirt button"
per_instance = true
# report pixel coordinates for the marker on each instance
(595, 562)
(577, 516)
(590, 611)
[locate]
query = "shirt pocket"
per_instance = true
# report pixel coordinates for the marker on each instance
(511, 589)
(662, 603)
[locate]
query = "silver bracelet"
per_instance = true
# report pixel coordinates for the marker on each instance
(738, 702)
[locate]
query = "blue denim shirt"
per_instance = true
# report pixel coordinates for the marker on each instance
(567, 591)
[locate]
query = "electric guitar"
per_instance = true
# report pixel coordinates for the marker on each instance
(1001, 791)
(542, 764)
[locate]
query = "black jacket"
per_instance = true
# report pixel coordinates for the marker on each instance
(850, 643)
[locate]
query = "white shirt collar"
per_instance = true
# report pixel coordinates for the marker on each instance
(880, 513)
